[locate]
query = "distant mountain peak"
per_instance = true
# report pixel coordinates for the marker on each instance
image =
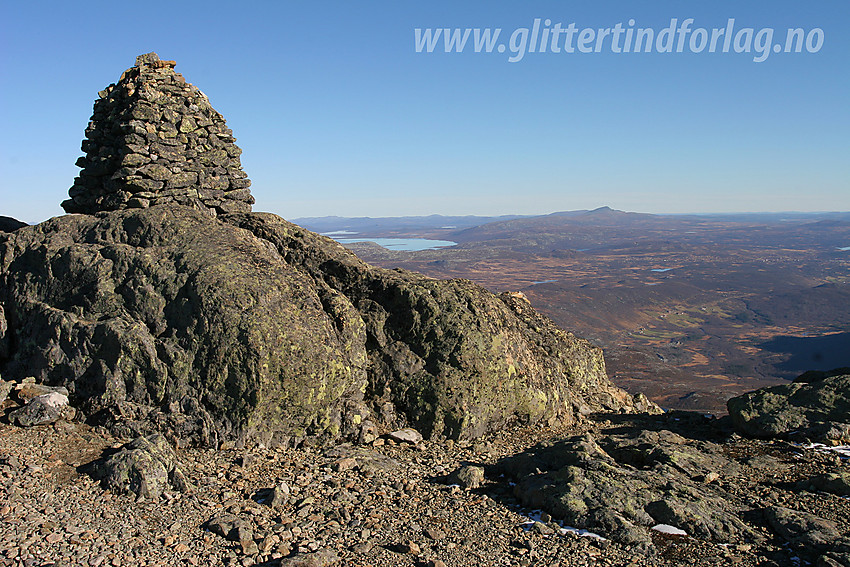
(606, 210)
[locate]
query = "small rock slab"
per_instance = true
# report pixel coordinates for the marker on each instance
(29, 389)
(367, 460)
(469, 477)
(407, 435)
(321, 558)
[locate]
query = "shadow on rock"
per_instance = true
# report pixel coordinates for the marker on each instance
(690, 425)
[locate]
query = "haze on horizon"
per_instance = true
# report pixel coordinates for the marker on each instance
(337, 114)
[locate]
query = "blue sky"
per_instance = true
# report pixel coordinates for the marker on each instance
(338, 115)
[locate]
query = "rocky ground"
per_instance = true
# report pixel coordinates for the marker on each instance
(397, 504)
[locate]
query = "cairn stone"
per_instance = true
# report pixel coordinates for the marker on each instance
(154, 139)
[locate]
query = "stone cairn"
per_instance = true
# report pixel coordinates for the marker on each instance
(155, 139)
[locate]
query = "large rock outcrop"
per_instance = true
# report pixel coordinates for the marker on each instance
(154, 139)
(157, 315)
(214, 328)
(815, 406)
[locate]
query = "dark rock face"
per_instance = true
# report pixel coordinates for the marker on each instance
(8, 224)
(153, 139)
(246, 326)
(818, 409)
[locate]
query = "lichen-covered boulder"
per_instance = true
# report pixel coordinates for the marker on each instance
(163, 319)
(448, 357)
(619, 486)
(41, 410)
(145, 467)
(818, 410)
(247, 327)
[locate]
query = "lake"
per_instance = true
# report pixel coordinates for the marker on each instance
(403, 244)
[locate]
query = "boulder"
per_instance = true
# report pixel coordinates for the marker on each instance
(228, 526)
(367, 460)
(278, 496)
(29, 389)
(5, 389)
(469, 477)
(803, 529)
(406, 435)
(619, 486)
(41, 410)
(145, 467)
(837, 483)
(817, 408)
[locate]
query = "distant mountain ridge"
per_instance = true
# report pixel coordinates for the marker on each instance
(389, 224)
(473, 227)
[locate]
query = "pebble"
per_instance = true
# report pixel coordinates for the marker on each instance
(410, 547)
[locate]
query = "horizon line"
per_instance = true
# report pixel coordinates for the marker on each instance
(712, 213)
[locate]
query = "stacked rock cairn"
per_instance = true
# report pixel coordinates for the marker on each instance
(154, 139)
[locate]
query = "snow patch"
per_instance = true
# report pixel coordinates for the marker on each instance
(580, 533)
(668, 529)
(536, 515)
(842, 450)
